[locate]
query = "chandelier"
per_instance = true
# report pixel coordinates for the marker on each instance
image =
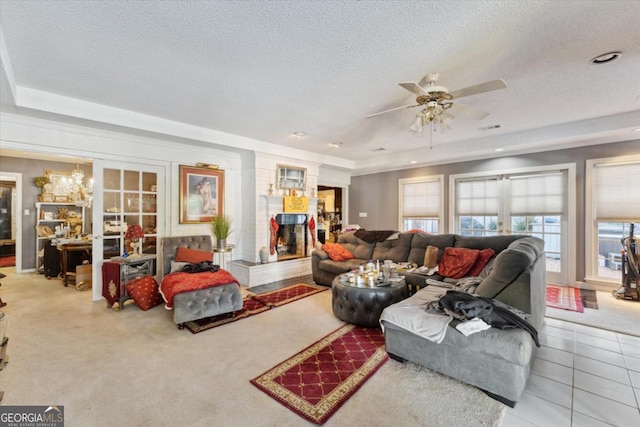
(432, 116)
(76, 189)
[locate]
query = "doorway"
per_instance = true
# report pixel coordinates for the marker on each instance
(532, 201)
(131, 194)
(10, 220)
(330, 213)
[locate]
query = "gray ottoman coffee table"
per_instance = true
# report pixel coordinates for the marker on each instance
(362, 304)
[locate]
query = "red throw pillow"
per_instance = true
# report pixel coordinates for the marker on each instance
(483, 258)
(144, 292)
(192, 255)
(337, 252)
(456, 262)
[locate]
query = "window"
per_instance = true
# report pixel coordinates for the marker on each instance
(537, 203)
(612, 206)
(477, 207)
(421, 203)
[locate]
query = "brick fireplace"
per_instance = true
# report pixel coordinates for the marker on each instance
(292, 237)
(282, 264)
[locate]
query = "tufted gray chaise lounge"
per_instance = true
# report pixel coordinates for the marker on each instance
(198, 304)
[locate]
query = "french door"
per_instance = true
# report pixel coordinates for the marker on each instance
(124, 194)
(532, 203)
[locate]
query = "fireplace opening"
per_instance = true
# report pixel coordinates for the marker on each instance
(292, 236)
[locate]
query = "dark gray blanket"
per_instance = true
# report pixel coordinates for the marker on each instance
(462, 305)
(373, 235)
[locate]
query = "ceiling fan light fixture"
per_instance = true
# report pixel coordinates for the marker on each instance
(416, 125)
(605, 57)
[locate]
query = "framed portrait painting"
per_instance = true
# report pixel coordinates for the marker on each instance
(201, 194)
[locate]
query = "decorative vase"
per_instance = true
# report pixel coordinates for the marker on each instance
(264, 255)
(222, 244)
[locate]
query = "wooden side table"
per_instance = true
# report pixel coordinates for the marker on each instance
(64, 249)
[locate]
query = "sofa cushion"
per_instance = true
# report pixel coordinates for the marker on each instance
(339, 267)
(184, 254)
(483, 258)
(497, 243)
(511, 345)
(456, 262)
(508, 265)
(337, 252)
(358, 247)
(420, 242)
(396, 250)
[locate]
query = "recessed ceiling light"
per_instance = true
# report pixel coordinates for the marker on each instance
(636, 130)
(413, 162)
(605, 57)
(300, 134)
(336, 144)
(497, 150)
(378, 149)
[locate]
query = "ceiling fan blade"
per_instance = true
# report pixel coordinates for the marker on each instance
(393, 109)
(413, 88)
(480, 88)
(469, 111)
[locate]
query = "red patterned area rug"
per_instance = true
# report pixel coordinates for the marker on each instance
(8, 261)
(316, 382)
(254, 304)
(564, 297)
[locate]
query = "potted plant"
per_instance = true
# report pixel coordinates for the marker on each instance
(221, 228)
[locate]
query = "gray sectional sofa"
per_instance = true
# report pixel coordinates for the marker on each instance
(497, 361)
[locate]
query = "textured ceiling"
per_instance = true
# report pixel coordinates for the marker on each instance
(263, 70)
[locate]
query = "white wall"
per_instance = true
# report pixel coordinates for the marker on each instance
(265, 173)
(247, 173)
(48, 137)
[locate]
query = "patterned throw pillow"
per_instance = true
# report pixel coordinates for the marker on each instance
(192, 255)
(483, 258)
(337, 252)
(456, 262)
(145, 292)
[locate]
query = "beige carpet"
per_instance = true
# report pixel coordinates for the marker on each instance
(135, 368)
(612, 314)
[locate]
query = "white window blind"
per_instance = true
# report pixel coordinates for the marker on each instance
(617, 190)
(421, 199)
(538, 194)
(477, 197)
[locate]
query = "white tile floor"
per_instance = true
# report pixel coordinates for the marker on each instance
(581, 376)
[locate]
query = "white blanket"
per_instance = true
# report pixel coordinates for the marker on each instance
(410, 314)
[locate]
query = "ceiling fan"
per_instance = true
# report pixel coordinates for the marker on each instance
(437, 99)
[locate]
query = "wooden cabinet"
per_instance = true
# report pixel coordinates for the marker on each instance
(52, 215)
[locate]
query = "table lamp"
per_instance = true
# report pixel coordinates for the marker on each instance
(135, 234)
